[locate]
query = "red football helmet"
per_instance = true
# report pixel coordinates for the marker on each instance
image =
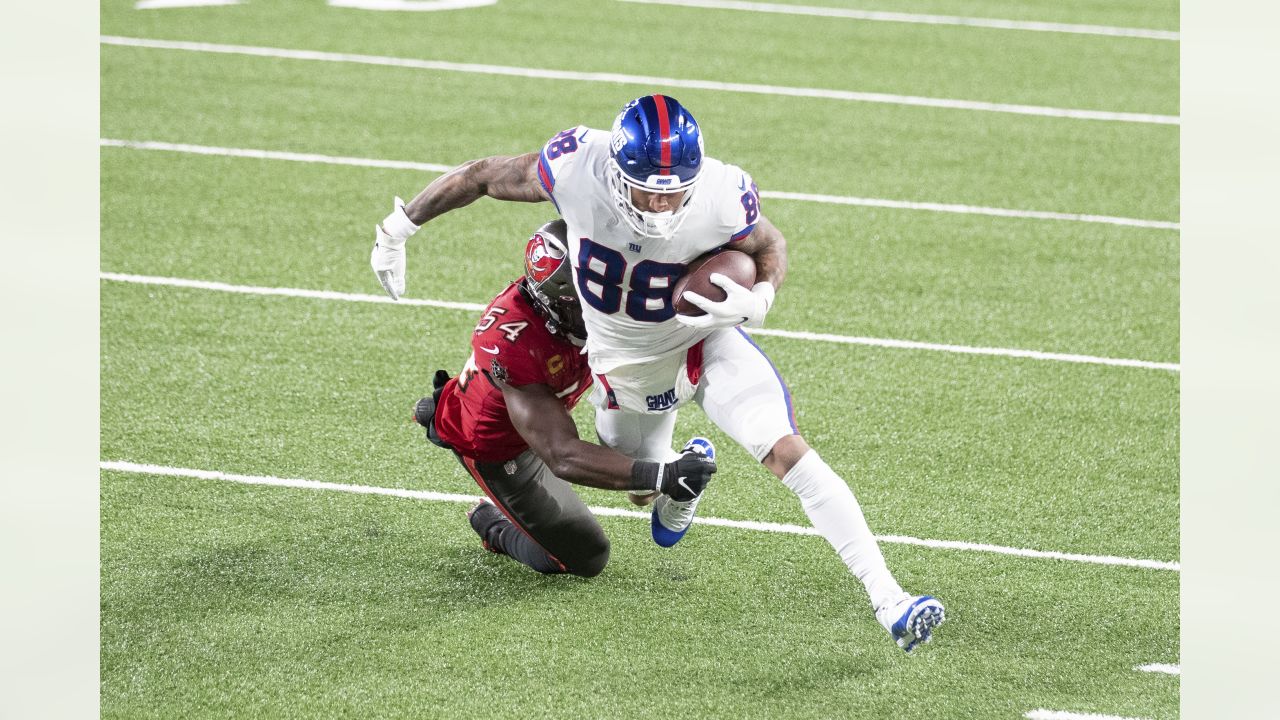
(548, 282)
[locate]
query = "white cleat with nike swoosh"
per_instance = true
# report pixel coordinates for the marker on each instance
(671, 519)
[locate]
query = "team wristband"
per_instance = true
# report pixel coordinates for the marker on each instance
(398, 226)
(646, 476)
(766, 291)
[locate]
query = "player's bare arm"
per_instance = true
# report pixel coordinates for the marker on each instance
(499, 177)
(540, 418)
(768, 248)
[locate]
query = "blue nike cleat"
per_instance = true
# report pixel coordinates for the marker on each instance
(671, 519)
(911, 621)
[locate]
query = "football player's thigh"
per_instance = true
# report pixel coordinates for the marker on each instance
(545, 507)
(643, 436)
(743, 393)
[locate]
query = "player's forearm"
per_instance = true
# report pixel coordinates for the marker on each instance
(457, 188)
(498, 177)
(771, 263)
(767, 246)
(583, 463)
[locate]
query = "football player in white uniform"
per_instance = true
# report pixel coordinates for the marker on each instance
(641, 201)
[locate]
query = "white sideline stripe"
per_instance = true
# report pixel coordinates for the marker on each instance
(919, 18)
(791, 334)
(768, 194)
(619, 78)
(131, 467)
(1042, 714)
(1160, 668)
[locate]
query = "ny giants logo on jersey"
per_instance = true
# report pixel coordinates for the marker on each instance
(538, 261)
(662, 401)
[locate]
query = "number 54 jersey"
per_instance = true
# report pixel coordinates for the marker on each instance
(625, 281)
(510, 346)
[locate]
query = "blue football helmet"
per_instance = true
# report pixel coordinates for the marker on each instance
(656, 148)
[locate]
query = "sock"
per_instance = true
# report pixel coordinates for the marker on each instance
(519, 546)
(835, 513)
(502, 535)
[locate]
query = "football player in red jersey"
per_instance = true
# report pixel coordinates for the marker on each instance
(506, 418)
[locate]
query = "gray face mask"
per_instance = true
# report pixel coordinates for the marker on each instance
(549, 281)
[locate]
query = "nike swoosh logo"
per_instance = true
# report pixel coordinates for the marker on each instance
(743, 185)
(494, 350)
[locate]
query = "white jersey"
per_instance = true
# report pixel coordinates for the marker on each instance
(625, 282)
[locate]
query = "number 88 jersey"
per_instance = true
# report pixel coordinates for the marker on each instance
(625, 281)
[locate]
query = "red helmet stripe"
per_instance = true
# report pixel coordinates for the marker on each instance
(664, 131)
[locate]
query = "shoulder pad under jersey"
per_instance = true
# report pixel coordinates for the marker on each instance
(569, 153)
(734, 198)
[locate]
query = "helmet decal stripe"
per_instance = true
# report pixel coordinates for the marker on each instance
(664, 134)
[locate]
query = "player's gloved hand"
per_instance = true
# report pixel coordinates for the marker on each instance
(387, 258)
(740, 307)
(682, 480)
(687, 477)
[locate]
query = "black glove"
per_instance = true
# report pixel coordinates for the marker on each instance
(687, 477)
(682, 480)
(424, 412)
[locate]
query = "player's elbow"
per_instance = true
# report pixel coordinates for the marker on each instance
(566, 461)
(564, 468)
(476, 174)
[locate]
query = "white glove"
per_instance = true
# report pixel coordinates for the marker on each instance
(742, 306)
(388, 249)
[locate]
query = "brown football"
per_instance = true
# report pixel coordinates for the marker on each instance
(737, 266)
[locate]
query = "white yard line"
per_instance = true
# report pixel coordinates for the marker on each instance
(274, 155)
(1042, 714)
(898, 17)
(814, 337)
(645, 80)
(970, 209)
(775, 195)
(1160, 668)
(285, 292)
(164, 4)
(130, 467)
(965, 349)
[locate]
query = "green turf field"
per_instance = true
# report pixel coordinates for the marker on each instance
(221, 599)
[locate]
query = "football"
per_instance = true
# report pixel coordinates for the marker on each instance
(738, 266)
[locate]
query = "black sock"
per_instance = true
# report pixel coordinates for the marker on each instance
(504, 537)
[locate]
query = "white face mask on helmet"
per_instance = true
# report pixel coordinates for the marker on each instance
(645, 223)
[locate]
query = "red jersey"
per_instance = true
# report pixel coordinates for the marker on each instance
(511, 345)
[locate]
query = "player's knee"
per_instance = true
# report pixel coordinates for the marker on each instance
(785, 454)
(595, 555)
